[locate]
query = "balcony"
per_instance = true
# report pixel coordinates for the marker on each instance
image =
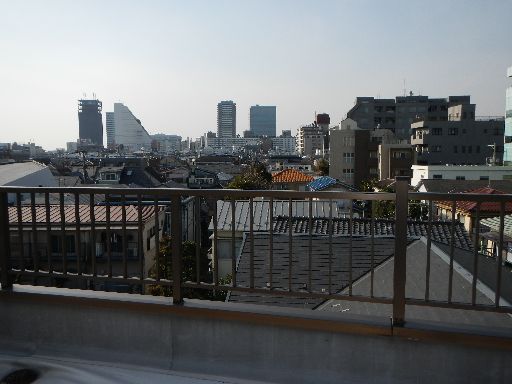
(296, 291)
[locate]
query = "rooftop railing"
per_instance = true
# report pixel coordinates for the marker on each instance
(60, 218)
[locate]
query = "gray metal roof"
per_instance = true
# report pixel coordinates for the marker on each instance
(361, 264)
(261, 209)
(14, 171)
(438, 288)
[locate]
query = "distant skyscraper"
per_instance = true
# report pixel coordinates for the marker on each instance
(90, 125)
(263, 120)
(226, 119)
(128, 130)
(508, 122)
(109, 122)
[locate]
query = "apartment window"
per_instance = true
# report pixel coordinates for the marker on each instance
(437, 176)
(401, 155)
(348, 157)
(470, 149)
(460, 177)
(463, 148)
(455, 149)
(435, 148)
(373, 154)
(453, 131)
(437, 131)
(348, 141)
(477, 149)
(348, 171)
(484, 177)
(374, 171)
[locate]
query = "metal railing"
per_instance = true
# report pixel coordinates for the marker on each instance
(32, 221)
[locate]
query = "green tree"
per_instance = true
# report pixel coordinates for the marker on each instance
(188, 272)
(253, 178)
(322, 167)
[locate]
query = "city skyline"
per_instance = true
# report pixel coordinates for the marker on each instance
(169, 71)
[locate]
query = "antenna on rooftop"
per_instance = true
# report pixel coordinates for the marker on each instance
(404, 89)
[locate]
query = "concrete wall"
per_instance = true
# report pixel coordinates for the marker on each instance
(241, 341)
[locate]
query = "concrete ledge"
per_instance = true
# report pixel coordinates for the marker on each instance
(245, 341)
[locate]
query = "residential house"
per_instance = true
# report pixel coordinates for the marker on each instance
(291, 179)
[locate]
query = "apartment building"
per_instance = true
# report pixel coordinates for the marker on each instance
(462, 139)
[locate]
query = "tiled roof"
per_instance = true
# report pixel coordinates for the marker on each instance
(291, 176)
(100, 214)
(339, 267)
(452, 186)
(488, 206)
(441, 230)
(261, 216)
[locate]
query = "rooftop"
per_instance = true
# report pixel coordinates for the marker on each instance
(291, 176)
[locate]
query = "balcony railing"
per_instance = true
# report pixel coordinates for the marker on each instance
(300, 273)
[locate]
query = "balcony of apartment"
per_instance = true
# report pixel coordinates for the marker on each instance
(304, 294)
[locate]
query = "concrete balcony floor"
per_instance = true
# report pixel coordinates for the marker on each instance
(85, 336)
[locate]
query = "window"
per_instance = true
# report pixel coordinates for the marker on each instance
(348, 171)
(374, 171)
(460, 177)
(470, 149)
(477, 149)
(348, 157)
(57, 244)
(484, 177)
(435, 148)
(373, 154)
(437, 176)
(455, 149)
(453, 131)
(348, 141)
(437, 131)
(463, 148)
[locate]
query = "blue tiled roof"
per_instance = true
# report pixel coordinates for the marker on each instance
(321, 183)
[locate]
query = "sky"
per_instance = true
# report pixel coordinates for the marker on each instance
(171, 62)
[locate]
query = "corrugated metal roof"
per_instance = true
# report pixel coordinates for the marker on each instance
(494, 224)
(261, 212)
(100, 214)
(321, 183)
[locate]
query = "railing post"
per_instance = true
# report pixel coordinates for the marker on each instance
(399, 273)
(176, 240)
(5, 251)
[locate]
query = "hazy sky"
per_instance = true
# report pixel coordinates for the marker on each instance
(171, 62)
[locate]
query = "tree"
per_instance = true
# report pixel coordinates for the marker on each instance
(188, 272)
(322, 166)
(253, 178)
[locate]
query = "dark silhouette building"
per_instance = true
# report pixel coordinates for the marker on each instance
(90, 125)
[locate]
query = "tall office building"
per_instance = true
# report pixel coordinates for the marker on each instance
(226, 119)
(262, 119)
(128, 130)
(398, 114)
(507, 156)
(90, 125)
(109, 125)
